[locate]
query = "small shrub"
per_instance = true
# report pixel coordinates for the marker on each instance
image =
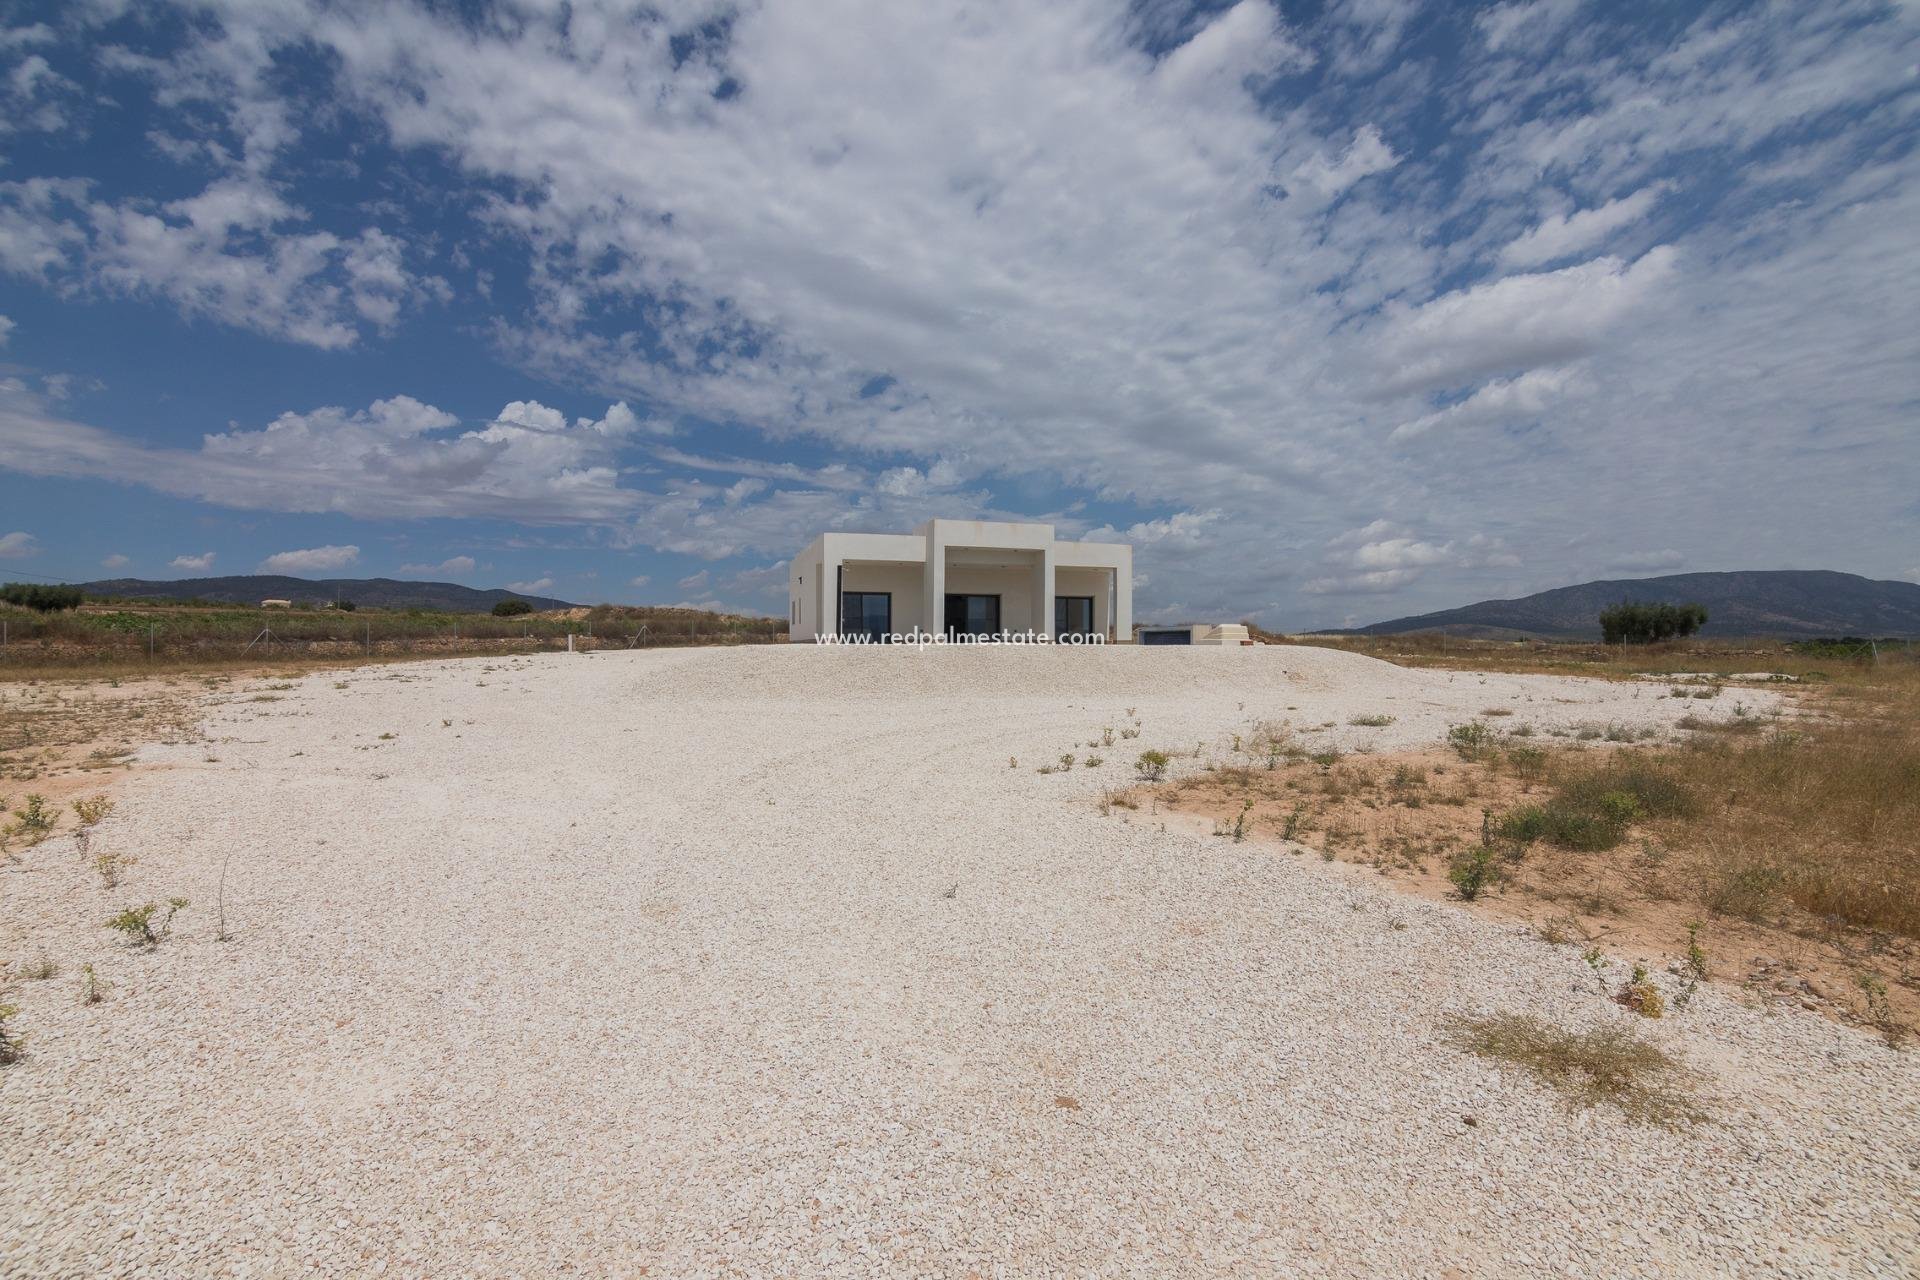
(111, 866)
(1473, 872)
(10, 1051)
(1240, 823)
(1873, 991)
(1748, 891)
(1527, 762)
(1696, 954)
(92, 810)
(33, 821)
(1469, 739)
(92, 990)
(1497, 711)
(1290, 825)
(1094, 762)
(1325, 759)
(38, 969)
(511, 609)
(1371, 722)
(1557, 929)
(1066, 760)
(140, 926)
(1641, 996)
(1152, 765)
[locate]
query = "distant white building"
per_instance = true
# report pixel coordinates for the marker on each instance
(276, 604)
(961, 578)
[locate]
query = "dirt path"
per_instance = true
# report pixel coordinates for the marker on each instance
(765, 961)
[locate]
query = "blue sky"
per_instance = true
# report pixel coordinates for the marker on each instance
(1338, 312)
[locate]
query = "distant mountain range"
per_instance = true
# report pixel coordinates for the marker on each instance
(374, 593)
(1777, 602)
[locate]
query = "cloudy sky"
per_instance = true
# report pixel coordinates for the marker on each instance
(1336, 311)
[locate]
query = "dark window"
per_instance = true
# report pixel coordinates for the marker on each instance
(1166, 635)
(868, 613)
(1073, 615)
(973, 615)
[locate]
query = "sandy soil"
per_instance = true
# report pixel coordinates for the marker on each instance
(763, 961)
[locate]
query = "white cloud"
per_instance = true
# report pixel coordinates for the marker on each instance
(1563, 235)
(1499, 401)
(193, 564)
(1382, 557)
(694, 581)
(397, 457)
(6, 330)
(310, 560)
(453, 566)
(1368, 154)
(769, 580)
(115, 561)
(639, 580)
(1516, 322)
(535, 587)
(18, 545)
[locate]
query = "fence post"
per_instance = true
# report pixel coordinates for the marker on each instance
(369, 639)
(149, 642)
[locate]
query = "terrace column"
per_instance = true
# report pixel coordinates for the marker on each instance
(933, 583)
(1043, 579)
(829, 589)
(1123, 602)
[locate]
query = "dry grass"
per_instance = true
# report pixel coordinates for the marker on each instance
(1797, 837)
(1608, 1065)
(1826, 812)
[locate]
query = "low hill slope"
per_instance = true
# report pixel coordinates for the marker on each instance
(1784, 602)
(377, 593)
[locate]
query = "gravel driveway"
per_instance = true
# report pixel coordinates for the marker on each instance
(763, 962)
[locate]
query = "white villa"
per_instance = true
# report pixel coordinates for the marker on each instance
(961, 577)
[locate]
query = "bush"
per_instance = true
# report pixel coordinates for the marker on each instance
(1654, 792)
(1473, 872)
(511, 608)
(41, 597)
(1152, 765)
(1470, 738)
(1641, 623)
(141, 928)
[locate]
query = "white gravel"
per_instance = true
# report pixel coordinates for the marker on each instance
(764, 962)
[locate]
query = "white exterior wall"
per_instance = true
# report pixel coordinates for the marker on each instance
(1097, 583)
(1013, 586)
(903, 580)
(1020, 563)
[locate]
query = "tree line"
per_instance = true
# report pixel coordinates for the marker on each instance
(1634, 622)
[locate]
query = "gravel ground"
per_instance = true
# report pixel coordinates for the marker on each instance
(763, 962)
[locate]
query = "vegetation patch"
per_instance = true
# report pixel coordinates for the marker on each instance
(1607, 1065)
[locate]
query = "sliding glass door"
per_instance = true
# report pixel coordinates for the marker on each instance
(867, 613)
(973, 615)
(1072, 616)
